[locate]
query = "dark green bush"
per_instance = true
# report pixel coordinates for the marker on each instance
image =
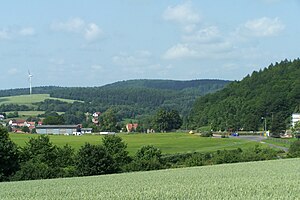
(294, 150)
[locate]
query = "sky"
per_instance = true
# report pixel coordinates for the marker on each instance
(96, 42)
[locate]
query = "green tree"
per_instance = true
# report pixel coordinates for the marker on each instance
(294, 150)
(54, 120)
(108, 121)
(94, 160)
(25, 129)
(9, 156)
(40, 148)
(34, 169)
(147, 158)
(117, 149)
(42, 160)
(277, 125)
(165, 120)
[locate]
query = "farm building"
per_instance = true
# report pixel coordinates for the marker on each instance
(62, 129)
(56, 129)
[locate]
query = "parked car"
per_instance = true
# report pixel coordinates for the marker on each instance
(235, 134)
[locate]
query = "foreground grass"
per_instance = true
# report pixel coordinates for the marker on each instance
(169, 143)
(253, 180)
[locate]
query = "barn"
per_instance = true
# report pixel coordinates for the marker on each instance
(57, 129)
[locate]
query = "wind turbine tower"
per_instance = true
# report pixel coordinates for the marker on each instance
(30, 77)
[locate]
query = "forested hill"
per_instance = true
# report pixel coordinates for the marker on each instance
(272, 93)
(133, 96)
(143, 96)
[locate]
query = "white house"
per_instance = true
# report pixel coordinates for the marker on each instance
(295, 118)
(2, 117)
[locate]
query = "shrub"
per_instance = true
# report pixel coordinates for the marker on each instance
(207, 134)
(117, 149)
(147, 158)
(34, 169)
(294, 150)
(198, 159)
(94, 160)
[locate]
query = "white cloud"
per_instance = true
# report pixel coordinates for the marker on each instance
(90, 31)
(206, 35)
(4, 35)
(139, 58)
(262, 27)
(16, 32)
(72, 25)
(28, 31)
(219, 50)
(180, 51)
(183, 14)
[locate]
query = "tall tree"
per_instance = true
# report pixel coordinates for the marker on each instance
(117, 149)
(94, 160)
(108, 121)
(165, 120)
(9, 156)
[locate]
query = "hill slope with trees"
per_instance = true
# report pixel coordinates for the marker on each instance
(272, 94)
(130, 98)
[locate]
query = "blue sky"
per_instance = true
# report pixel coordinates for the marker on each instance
(95, 42)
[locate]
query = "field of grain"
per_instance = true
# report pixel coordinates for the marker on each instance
(167, 142)
(276, 179)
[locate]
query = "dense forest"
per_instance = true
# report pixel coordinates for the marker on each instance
(129, 98)
(271, 94)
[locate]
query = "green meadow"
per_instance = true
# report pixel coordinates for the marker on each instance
(275, 179)
(29, 99)
(168, 143)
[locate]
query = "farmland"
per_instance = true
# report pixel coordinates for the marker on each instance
(29, 99)
(168, 142)
(253, 180)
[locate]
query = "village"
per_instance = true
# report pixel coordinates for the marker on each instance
(37, 127)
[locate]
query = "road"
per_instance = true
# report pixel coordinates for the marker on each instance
(259, 139)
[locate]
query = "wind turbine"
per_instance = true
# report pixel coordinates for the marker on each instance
(30, 77)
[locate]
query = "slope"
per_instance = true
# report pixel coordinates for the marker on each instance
(272, 94)
(252, 180)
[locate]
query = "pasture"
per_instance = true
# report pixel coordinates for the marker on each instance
(252, 180)
(168, 143)
(29, 99)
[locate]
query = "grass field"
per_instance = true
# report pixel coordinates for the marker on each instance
(29, 99)
(167, 142)
(280, 142)
(252, 180)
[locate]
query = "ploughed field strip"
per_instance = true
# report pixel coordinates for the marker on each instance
(276, 179)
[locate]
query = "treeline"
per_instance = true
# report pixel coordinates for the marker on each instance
(40, 159)
(14, 107)
(272, 94)
(135, 97)
(25, 91)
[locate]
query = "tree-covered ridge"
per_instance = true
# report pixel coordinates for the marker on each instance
(272, 94)
(25, 91)
(134, 97)
(202, 85)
